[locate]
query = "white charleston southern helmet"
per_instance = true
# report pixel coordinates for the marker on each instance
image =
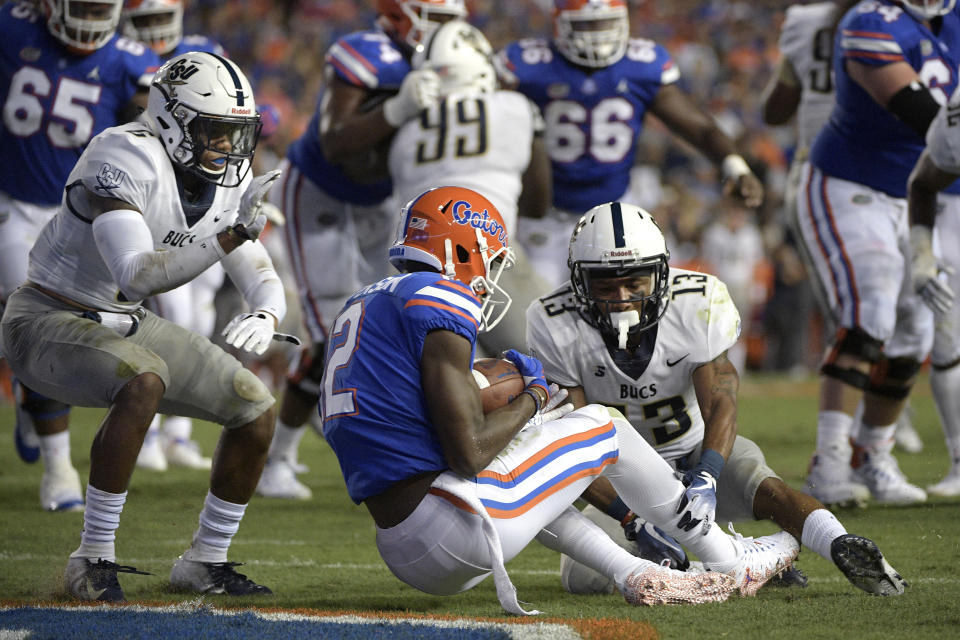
(927, 9)
(82, 25)
(591, 33)
(461, 56)
(197, 99)
(156, 23)
(616, 240)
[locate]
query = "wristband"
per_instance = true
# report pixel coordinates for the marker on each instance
(619, 511)
(537, 400)
(712, 462)
(238, 230)
(734, 167)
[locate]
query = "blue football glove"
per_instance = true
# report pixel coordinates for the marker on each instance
(655, 545)
(699, 502)
(530, 368)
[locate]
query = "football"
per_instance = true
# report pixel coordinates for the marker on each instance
(499, 382)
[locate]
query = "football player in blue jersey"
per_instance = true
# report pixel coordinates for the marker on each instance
(455, 492)
(159, 25)
(594, 85)
(335, 190)
(894, 63)
(65, 76)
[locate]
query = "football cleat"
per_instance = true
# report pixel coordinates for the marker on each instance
(829, 480)
(24, 433)
(60, 489)
(905, 436)
(949, 487)
(278, 480)
(214, 577)
(653, 585)
(865, 567)
(761, 559)
(182, 452)
(792, 577)
(879, 471)
(86, 580)
(151, 452)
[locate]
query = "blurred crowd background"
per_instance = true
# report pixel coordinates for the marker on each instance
(726, 51)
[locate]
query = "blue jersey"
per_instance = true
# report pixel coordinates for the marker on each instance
(54, 102)
(863, 142)
(196, 42)
(374, 411)
(369, 60)
(593, 116)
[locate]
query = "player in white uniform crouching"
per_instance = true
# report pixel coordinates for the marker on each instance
(148, 207)
(629, 332)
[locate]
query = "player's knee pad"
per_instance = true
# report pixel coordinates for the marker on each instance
(307, 371)
(40, 407)
(893, 377)
(857, 343)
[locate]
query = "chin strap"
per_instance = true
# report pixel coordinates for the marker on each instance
(622, 321)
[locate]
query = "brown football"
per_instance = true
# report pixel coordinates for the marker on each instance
(499, 382)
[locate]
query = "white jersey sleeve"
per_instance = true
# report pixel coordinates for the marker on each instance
(806, 40)
(551, 337)
(943, 136)
(116, 166)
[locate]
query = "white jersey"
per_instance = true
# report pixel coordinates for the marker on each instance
(127, 163)
(943, 136)
(806, 40)
(659, 400)
(474, 140)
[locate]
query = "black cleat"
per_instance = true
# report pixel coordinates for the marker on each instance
(214, 577)
(87, 580)
(865, 567)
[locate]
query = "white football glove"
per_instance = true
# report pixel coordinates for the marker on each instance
(419, 90)
(552, 409)
(250, 215)
(925, 268)
(250, 332)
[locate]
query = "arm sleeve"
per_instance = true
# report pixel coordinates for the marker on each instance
(251, 269)
(126, 246)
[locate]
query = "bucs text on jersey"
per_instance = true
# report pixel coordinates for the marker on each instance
(593, 117)
(652, 387)
(54, 101)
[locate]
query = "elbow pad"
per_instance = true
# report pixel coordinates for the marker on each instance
(915, 106)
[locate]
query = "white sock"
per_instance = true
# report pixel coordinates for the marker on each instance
(878, 439)
(101, 519)
(177, 428)
(55, 450)
(574, 534)
(945, 384)
(219, 521)
(820, 529)
(286, 440)
(833, 430)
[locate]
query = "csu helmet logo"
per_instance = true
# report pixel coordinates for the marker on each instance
(179, 71)
(463, 214)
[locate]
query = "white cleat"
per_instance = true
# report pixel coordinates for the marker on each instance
(865, 567)
(60, 489)
(761, 559)
(151, 452)
(949, 487)
(829, 480)
(214, 577)
(279, 481)
(881, 473)
(186, 453)
(653, 585)
(905, 436)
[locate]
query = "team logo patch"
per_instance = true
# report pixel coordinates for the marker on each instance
(30, 54)
(558, 90)
(109, 177)
(861, 198)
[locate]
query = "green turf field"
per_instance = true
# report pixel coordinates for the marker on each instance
(320, 554)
